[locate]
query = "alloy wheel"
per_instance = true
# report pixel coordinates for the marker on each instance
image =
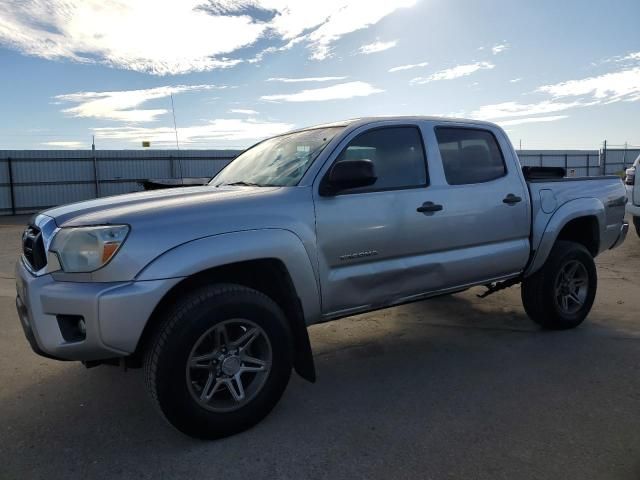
(571, 287)
(229, 365)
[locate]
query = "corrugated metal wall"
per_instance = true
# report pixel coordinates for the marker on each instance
(31, 180)
(579, 163)
(618, 159)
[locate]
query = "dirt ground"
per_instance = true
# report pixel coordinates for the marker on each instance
(454, 387)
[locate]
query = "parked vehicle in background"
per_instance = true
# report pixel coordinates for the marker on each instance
(633, 192)
(211, 289)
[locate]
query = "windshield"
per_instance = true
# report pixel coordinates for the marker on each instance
(279, 161)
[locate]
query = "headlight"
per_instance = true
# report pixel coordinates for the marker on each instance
(630, 177)
(85, 249)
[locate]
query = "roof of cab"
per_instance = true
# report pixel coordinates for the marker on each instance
(411, 118)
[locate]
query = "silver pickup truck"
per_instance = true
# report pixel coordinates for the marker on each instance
(211, 289)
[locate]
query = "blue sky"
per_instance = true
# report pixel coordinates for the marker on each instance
(553, 74)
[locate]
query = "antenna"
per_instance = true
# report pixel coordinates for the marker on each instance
(95, 166)
(175, 129)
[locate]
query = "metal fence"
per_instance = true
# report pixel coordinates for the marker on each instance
(31, 180)
(578, 163)
(617, 159)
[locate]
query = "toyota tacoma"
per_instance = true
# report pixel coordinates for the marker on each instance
(211, 289)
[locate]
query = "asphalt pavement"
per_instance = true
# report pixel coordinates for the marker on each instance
(454, 387)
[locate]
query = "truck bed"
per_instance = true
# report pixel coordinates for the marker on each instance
(604, 195)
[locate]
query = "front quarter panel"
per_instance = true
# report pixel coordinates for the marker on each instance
(224, 249)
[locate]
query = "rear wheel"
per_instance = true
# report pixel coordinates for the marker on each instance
(220, 361)
(636, 222)
(560, 295)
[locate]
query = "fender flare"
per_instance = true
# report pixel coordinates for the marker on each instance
(209, 252)
(573, 209)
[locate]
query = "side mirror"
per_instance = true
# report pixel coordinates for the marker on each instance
(348, 174)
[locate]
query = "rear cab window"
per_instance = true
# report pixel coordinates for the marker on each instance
(469, 155)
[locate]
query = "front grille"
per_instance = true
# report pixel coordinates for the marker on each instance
(33, 248)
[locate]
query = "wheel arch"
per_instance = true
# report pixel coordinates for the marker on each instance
(280, 268)
(580, 221)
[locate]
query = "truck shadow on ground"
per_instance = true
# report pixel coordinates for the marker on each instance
(392, 386)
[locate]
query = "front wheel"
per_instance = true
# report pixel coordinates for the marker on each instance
(560, 295)
(220, 361)
(636, 222)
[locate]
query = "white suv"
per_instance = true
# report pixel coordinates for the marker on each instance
(632, 183)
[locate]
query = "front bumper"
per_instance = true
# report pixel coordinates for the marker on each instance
(114, 314)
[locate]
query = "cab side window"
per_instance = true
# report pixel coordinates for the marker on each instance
(469, 155)
(397, 154)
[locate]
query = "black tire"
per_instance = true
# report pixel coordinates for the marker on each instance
(539, 290)
(184, 324)
(636, 222)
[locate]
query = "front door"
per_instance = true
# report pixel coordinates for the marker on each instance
(367, 236)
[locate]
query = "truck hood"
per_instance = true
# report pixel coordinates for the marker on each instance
(161, 220)
(156, 205)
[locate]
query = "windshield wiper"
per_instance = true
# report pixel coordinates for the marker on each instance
(242, 183)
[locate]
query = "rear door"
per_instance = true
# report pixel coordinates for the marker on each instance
(482, 231)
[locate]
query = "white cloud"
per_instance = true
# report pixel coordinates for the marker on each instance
(621, 85)
(515, 109)
(515, 80)
(258, 57)
(212, 133)
(607, 88)
(629, 58)
(335, 18)
(520, 121)
(66, 144)
(408, 67)
(121, 105)
(376, 47)
(454, 72)
(142, 35)
(243, 111)
(499, 48)
(334, 92)
(178, 36)
(304, 79)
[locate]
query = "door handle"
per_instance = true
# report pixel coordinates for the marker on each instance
(512, 199)
(429, 207)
